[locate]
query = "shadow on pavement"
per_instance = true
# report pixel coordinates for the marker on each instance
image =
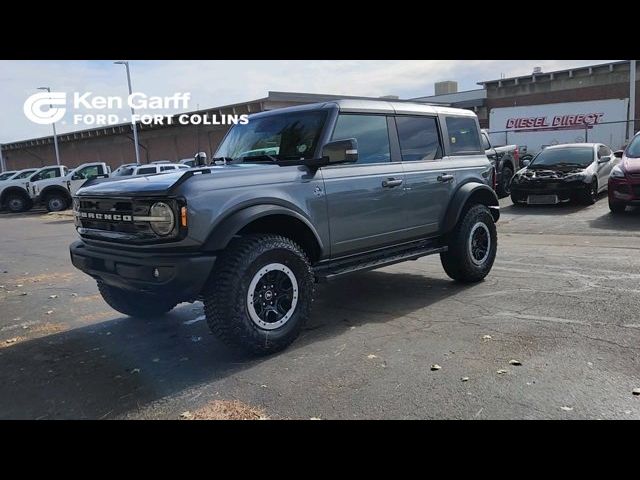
(629, 221)
(117, 366)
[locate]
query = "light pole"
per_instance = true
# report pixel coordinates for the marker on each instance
(133, 123)
(55, 135)
(632, 98)
(2, 166)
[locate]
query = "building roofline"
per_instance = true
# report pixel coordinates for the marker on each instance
(555, 72)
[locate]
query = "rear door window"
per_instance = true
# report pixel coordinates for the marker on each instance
(146, 170)
(464, 138)
(45, 174)
(371, 133)
(164, 169)
(419, 138)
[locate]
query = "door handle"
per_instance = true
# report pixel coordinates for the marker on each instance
(445, 177)
(391, 182)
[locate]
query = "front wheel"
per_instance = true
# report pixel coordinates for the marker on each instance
(472, 246)
(17, 203)
(617, 207)
(591, 195)
(56, 202)
(260, 293)
(504, 189)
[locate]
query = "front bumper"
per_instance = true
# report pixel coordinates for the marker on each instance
(179, 276)
(624, 190)
(565, 191)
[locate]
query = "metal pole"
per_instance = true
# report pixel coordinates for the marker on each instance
(55, 134)
(2, 165)
(133, 123)
(632, 98)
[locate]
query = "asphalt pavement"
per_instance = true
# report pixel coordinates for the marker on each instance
(552, 333)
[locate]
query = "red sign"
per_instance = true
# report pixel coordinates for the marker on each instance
(558, 122)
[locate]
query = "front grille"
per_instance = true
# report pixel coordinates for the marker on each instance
(113, 215)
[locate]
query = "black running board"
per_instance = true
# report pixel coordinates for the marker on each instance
(326, 272)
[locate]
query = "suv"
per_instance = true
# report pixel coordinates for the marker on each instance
(352, 185)
(624, 180)
(505, 159)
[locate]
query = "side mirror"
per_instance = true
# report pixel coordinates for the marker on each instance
(526, 163)
(604, 159)
(340, 151)
(618, 153)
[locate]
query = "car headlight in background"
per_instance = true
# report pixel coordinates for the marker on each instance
(575, 176)
(163, 219)
(617, 172)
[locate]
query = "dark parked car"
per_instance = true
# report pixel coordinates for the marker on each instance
(561, 173)
(624, 181)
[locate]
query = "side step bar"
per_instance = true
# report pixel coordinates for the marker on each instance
(330, 271)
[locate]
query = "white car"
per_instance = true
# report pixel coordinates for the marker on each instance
(15, 194)
(150, 169)
(56, 193)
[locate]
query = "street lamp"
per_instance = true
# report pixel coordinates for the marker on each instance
(133, 123)
(632, 98)
(55, 135)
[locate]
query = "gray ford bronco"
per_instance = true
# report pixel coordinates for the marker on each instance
(296, 196)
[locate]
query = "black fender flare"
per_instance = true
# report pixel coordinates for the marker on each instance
(225, 230)
(55, 189)
(470, 190)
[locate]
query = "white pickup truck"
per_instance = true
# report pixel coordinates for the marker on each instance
(16, 193)
(56, 193)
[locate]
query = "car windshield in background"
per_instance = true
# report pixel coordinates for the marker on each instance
(633, 150)
(559, 157)
(286, 136)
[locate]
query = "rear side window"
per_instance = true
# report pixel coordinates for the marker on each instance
(146, 170)
(463, 135)
(164, 169)
(45, 174)
(419, 138)
(371, 133)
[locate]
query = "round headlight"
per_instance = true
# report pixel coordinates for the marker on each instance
(163, 218)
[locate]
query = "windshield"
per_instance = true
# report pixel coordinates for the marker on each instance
(4, 176)
(633, 150)
(285, 136)
(558, 157)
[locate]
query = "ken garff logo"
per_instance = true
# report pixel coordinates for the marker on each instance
(54, 102)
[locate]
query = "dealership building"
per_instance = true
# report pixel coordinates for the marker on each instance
(529, 97)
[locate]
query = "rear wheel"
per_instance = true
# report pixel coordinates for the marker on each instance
(617, 207)
(134, 304)
(472, 246)
(260, 293)
(56, 202)
(18, 203)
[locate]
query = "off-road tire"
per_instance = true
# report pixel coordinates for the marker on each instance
(17, 203)
(56, 202)
(457, 261)
(504, 187)
(134, 304)
(226, 304)
(617, 207)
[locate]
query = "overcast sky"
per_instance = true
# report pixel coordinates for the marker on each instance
(217, 83)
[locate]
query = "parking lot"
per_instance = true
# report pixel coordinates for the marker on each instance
(561, 300)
